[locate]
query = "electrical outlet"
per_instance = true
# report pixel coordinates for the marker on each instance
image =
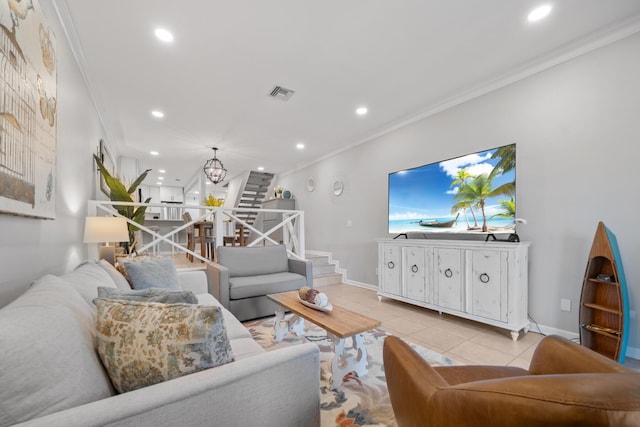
(565, 304)
(349, 223)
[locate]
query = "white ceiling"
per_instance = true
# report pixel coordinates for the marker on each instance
(403, 59)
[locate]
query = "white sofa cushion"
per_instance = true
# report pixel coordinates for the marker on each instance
(86, 278)
(120, 281)
(235, 329)
(48, 361)
(194, 280)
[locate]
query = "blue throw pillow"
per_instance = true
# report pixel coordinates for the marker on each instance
(152, 273)
(164, 296)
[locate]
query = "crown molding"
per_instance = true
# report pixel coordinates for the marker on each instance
(568, 52)
(66, 21)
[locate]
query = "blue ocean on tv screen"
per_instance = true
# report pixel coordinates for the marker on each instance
(469, 194)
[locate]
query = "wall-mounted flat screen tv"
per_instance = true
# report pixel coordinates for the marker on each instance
(472, 194)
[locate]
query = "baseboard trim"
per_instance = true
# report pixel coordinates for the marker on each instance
(549, 330)
(632, 352)
(360, 284)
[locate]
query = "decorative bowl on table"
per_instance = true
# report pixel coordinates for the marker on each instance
(314, 299)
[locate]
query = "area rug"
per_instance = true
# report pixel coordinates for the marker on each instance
(360, 401)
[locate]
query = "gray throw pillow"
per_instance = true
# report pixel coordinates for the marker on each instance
(164, 296)
(152, 273)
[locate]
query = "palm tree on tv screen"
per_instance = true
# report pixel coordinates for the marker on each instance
(507, 162)
(508, 209)
(479, 190)
(461, 178)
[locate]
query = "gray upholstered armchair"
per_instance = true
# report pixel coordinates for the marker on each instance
(243, 276)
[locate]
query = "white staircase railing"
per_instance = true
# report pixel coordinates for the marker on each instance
(292, 225)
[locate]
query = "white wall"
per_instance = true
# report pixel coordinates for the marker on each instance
(31, 247)
(576, 126)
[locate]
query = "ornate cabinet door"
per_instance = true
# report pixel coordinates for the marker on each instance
(417, 273)
(489, 275)
(391, 269)
(449, 279)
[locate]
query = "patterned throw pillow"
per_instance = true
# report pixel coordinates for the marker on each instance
(145, 343)
(147, 272)
(164, 296)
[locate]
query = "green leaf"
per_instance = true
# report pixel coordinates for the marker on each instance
(138, 181)
(119, 193)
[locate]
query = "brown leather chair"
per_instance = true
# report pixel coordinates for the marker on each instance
(566, 385)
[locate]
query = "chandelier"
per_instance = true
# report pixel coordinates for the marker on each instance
(214, 169)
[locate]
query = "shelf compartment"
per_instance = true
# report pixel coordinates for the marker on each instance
(602, 308)
(603, 316)
(612, 333)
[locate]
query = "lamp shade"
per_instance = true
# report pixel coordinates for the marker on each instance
(105, 229)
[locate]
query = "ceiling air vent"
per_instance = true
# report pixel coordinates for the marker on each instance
(281, 93)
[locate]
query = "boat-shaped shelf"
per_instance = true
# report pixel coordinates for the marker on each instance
(604, 303)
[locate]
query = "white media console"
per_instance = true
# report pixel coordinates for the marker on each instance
(482, 281)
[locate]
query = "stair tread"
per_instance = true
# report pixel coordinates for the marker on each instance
(327, 275)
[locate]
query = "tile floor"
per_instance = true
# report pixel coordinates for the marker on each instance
(463, 341)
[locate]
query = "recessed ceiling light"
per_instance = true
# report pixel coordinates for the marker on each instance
(153, 153)
(260, 168)
(208, 183)
(157, 114)
(161, 178)
(164, 35)
(539, 12)
(161, 170)
(361, 111)
(299, 145)
(196, 192)
(158, 183)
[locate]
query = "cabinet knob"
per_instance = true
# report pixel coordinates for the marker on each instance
(448, 273)
(391, 264)
(414, 268)
(484, 278)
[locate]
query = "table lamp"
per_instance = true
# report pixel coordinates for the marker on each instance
(105, 229)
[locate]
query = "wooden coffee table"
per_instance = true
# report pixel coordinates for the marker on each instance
(339, 323)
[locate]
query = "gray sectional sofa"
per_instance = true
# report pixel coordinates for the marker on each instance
(51, 375)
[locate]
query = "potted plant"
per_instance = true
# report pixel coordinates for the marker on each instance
(120, 193)
(210, 200)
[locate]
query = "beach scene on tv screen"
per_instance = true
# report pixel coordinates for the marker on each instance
(474, 193)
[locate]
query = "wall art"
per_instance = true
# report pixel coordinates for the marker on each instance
(109, 164)
(28, 124)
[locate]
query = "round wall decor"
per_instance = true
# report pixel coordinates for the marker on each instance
(311, 185)
(338, 188)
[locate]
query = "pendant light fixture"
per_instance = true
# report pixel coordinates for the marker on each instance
(214, 169)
